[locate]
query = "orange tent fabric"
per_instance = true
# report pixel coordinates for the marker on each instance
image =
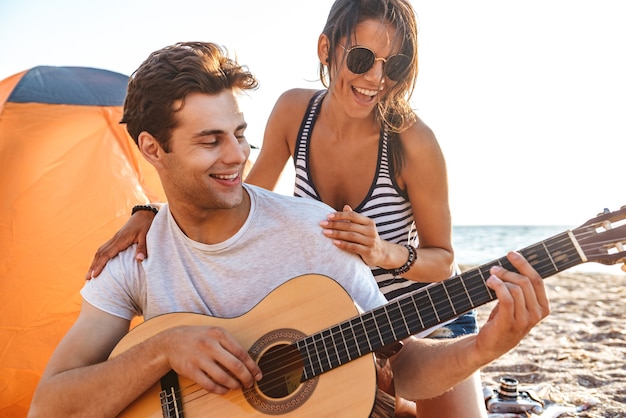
(69, 175)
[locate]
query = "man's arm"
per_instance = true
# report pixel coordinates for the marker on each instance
(80, 381)
(426, 368)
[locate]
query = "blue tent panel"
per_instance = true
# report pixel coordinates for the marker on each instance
(70, 85)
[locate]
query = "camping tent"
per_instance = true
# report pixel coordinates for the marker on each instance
(69, 175)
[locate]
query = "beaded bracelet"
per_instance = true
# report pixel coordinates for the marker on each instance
(144, 207)
(409, 262)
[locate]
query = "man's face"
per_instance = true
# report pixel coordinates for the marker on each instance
(208, 152)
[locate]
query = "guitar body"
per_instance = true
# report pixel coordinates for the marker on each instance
(300, 307)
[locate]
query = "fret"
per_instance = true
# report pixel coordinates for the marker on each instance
(442, 303)
(303, 348)
(374, 338)
(469, 298)
(360, 336)
(426, 309)
(331, 349)
(417, 311)
(506, 264)
(350, 340)
(484, 269)
(314, 356)
(397, 317)
(485, 273)
(322, 352)
(477, 287)
(553, 255)
(386, 334)
(384, 325)
(410, 315)
(339, 343)
(482, 273)
(538, 257)
(430, 299)
(458, 295)
(572, 257)
(563, 254)
(317, 359)
(443, 286)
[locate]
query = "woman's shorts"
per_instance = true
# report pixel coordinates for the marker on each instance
(463, 325)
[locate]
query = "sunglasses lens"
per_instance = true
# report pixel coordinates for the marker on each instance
(396, 66)
(360, 60)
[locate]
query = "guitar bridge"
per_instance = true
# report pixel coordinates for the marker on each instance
(171, 403)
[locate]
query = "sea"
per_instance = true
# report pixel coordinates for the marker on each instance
(476, 245)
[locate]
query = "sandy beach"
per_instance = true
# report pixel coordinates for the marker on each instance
(577, 356)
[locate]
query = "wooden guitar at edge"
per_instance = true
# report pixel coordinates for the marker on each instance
(315, 349)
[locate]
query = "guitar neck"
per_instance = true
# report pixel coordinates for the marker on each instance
(424, 308)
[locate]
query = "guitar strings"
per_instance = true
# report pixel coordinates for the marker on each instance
(561, 241)
(198, 397)
(432, 319)
(545, 266)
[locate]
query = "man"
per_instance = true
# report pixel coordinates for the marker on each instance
(220, 248)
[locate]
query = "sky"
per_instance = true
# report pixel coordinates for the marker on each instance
(527, 98)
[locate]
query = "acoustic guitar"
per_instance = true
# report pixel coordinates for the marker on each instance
(316, 350)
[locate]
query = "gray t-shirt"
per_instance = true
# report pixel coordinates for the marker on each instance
(280, 240)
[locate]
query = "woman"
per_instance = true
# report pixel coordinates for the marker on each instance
(359, 147)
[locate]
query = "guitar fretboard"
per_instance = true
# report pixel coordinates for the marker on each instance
(424, 308)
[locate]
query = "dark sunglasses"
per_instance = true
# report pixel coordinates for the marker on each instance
(360, 59)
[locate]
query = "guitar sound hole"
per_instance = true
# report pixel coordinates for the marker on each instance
(282, 368)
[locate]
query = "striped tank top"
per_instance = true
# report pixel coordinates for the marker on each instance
(385, 203)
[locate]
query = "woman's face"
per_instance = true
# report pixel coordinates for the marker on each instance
(359, 93)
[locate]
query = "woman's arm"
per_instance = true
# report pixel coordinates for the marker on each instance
(424, 178)
(279, 138)
(133, 231)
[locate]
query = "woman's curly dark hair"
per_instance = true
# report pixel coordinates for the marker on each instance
(393, 110)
